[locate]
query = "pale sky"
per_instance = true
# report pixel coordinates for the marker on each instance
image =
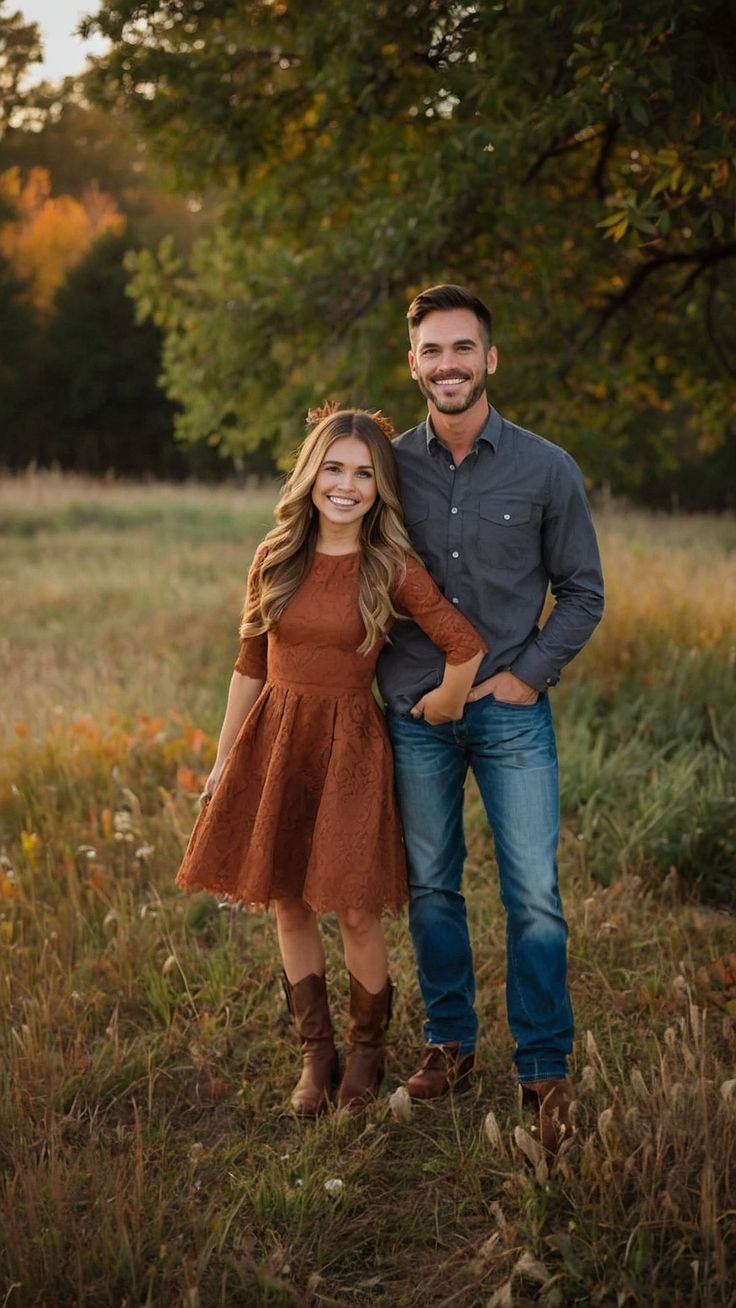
(64, 53)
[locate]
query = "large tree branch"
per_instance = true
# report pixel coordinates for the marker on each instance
(566, 146)
(702, 258)
(607, 143)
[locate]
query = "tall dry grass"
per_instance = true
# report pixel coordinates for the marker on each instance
(145, 1056)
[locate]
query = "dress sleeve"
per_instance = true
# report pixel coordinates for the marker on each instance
(421, 599)
(252, 659)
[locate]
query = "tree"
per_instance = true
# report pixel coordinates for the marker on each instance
(572, 162)
(18, 369)
(78, 143)
(20, 48)
(101, 375)
(48, 234)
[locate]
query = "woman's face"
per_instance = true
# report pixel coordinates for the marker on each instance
(345, 486)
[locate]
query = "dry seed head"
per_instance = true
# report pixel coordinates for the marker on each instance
(605, 1124)
(486, 1249)
(400, 1105)
(638, 1084)
(591, 1047)
(492, 1131)
(587, 1081)
(533, 1152)
(530, 1267)
(728, 1090)
(169, 965)
(499, 1215)
(501, 1298)
(670, 1035)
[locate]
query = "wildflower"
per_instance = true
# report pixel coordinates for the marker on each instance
(334, 1186)
(21, 730)
(30, 844)
(144, 852)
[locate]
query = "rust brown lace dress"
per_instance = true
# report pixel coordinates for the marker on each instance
(305, 803)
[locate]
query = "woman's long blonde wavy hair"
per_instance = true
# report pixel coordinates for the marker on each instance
(290, 545)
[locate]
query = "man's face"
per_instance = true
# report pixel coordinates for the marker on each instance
(449, 361)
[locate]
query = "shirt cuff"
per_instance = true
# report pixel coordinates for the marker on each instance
(532, 667)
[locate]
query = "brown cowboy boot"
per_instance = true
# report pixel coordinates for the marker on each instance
(441, 1068)
(550, 1100)
(369, 1018)
(307, 1003)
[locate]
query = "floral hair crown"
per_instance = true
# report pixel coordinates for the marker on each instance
(329, 407)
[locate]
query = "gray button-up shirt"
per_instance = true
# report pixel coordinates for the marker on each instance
(494, 533)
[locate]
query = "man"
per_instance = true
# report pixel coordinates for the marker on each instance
(497, 514)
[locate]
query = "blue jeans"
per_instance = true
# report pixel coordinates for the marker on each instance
(511, 750)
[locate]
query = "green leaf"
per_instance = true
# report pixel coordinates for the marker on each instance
(613, 218)
(639, 111)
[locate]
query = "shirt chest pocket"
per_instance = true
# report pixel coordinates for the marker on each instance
(426, 534)
(508, 531)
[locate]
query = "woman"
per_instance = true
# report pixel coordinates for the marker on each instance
(302, 812)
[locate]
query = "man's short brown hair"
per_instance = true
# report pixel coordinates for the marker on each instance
(449, 297)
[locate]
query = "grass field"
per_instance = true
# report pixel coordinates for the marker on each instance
(144, 1055)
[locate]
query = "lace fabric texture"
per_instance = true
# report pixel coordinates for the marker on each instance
(305, 804)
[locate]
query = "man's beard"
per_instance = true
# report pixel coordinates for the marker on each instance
(455, 406)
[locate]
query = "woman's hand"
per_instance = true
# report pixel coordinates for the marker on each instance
(210, 784)
(435, 708)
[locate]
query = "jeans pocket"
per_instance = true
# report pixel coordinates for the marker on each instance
(508, 704)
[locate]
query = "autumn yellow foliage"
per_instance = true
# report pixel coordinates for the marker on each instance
(50, 234)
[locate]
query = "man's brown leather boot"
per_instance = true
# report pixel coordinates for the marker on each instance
(441, 1068)
(550, 1102)
(307, 1003)
(364, 1068)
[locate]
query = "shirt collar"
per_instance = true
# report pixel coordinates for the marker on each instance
(490, 432)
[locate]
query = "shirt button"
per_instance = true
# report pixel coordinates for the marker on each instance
(549, 681)
(456, 554)
(453, 509)
(455, 599)
(451, 467)
(506, 517)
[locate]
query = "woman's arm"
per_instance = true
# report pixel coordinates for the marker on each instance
(447, 702)
(452, 633)
(241, 697)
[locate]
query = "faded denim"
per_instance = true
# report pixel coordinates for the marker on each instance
(511, 751)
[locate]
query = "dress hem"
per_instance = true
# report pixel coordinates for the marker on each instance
(265, 906)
